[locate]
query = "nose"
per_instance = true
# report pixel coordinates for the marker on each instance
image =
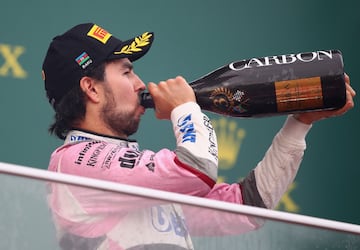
(139, 84)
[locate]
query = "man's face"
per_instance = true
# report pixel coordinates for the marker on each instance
(121, 109)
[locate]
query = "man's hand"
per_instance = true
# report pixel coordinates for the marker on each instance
(311, 117)
(169, 94)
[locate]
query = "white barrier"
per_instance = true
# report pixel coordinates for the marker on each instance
(295, 221)
(11, 169)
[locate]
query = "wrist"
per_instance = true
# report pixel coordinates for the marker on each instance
(303, 119)
(295, 129)
(184, 108)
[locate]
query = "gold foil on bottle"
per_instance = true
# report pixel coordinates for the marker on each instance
(299, 94)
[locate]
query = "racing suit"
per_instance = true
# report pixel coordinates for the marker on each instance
(108, 221)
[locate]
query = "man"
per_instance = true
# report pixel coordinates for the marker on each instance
(91, 84)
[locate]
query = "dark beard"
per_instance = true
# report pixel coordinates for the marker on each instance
(120, 122)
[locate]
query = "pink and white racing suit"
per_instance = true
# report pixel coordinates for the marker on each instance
(91, 219)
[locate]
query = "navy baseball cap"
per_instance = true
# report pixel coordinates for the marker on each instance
(82, 48)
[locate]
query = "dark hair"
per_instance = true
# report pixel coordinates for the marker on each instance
(71, 108)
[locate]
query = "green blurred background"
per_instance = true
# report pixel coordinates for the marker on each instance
(191, 39)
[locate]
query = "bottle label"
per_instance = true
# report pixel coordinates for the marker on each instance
(299, 94)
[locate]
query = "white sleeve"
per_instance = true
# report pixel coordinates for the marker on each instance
(196, 143)
(281, 162)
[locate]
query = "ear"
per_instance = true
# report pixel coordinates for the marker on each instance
(91, 88)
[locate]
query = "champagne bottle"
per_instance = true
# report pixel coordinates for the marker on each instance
(270, 86)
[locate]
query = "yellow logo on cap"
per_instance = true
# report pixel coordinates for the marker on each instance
(99, 34)
(136, 45)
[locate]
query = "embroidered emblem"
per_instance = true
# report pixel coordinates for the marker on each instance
(136, 45)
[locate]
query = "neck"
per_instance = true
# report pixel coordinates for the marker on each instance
(97, 126)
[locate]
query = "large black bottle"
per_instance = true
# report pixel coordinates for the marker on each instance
(272, 85)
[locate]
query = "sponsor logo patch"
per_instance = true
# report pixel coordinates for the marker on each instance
(99, 34)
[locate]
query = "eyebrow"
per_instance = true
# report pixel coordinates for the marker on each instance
(128, 65)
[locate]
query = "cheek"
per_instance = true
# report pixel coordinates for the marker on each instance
(123, 91)
(126, 97)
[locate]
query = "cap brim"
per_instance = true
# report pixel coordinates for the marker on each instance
(134, 48)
